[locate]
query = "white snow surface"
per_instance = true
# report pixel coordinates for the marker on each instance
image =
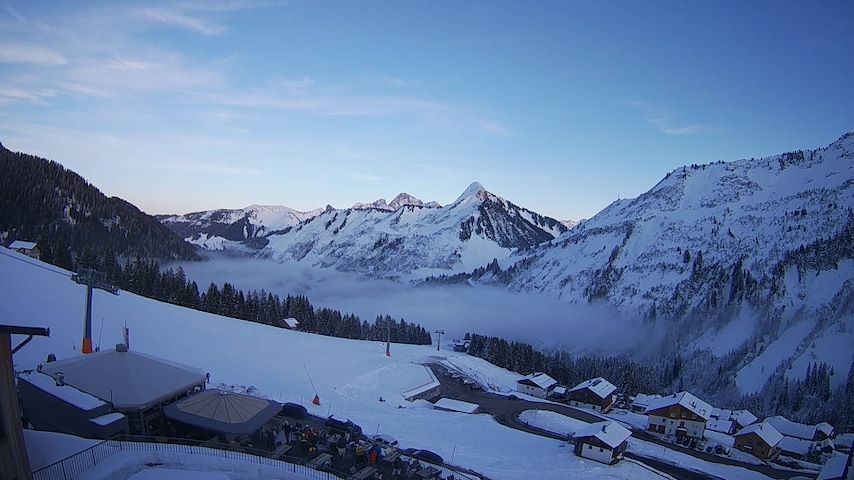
(47, 448)
(66, 393)
(552, 422)
(349, 375)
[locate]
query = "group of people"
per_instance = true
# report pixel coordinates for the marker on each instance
(343, 445)
(277, 437)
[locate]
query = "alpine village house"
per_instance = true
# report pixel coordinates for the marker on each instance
(678, 416)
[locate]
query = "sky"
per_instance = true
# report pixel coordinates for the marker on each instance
(561, 107)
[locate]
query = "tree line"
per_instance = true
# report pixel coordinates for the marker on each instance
(146, 278)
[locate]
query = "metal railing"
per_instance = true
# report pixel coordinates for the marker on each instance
(73, 466)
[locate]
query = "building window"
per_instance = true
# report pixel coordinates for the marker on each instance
(672, 414)
(682, 423)
(589, 447)
(683, 414)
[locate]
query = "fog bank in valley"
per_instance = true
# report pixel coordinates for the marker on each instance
(537, 319)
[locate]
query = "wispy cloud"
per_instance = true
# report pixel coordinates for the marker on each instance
(30, 54)
(667, 122)
(181, 20)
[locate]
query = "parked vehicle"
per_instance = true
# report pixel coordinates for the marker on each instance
(343, 426)
(428, 456)
(294, 410)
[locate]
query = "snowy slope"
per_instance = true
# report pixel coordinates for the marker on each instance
(716, 247)
(349, 375)
(409, 239)
(221, 229)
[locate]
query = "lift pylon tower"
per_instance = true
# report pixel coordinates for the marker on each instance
(92, 279)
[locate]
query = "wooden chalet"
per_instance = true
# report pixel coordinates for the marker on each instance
(761, 440)
(678, 416)
(30, 249)
(604, 442)
(596, 394)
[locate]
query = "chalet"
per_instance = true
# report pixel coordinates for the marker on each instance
(537, 384)
(817, 433)
(760, 440)
(678, 416)
(640, 403)
(291, 323)
(14, 463)
(604, 442)
(723, 426)
(461, 345)
(743, 418)
(559, 393)
(734, 419)
(30, 249)
(795, 447)
(596, 394)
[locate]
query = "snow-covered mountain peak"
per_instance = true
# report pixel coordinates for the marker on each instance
(403, 199)
(472, 190)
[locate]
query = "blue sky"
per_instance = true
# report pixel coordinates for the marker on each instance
(561, 107)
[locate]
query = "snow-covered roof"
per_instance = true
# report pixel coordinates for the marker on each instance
(642, 400)
(834, 468)
(559, 390)
(792, 429)
(825, 428)
(721, 414)
(611, 433)
(456, 405)
(22, 244)
(599, 386)
(795, 445)
(723, 426)
(107, 419)
(223, 411)
(763, 430)
(129, 380)
(845, 440)
(539, 379)
(744, 417)
(685, 399)
(66, 393)
(291, 322)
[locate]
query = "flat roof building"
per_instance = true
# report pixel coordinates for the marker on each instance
(130, 382)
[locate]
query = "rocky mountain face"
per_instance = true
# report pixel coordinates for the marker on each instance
(42, 201)
(408, 238)
(233, 228)
(753, 256)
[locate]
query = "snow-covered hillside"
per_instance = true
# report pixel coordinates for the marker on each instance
(410, 239)
(350, 375)
(722, 253)
(221, 229)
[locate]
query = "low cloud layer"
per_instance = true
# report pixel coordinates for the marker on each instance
(540, 320)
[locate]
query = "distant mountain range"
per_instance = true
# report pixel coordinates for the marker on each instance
(402, 238)
(41, 200)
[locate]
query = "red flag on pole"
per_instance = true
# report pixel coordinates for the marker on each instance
(316, 400)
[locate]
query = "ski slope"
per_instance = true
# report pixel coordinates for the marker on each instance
(350, 376)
